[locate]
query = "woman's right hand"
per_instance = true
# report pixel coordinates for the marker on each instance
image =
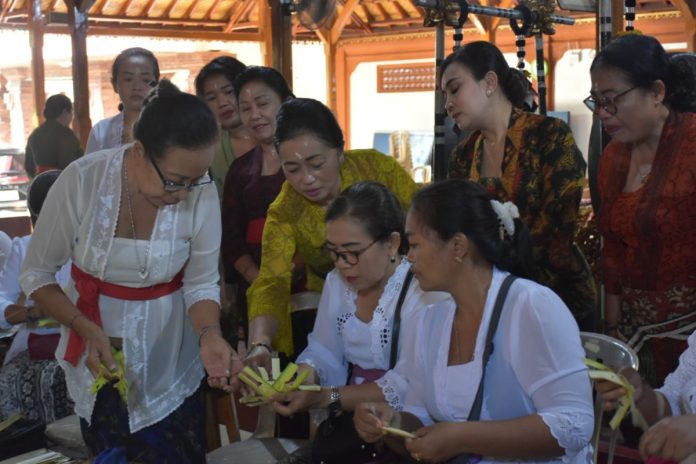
(370, 418)
(98, 349)
(259, 356)
(611, 392)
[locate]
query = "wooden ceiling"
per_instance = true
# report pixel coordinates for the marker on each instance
(232, 19)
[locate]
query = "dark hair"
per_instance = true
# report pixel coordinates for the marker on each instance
(225, 66)
(484, 57)
(643, 60)
(268, 76)
(171, 118)
(452, 206)
(305, 115)
(38, 190)
(55, 105)
(375, 207)
(130, 52)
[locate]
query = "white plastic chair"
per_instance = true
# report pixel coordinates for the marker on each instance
(612, 353)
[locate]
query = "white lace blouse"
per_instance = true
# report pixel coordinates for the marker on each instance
(680, 385)
(107, 133)
(339, 337)
(78, 221)
(536, 368)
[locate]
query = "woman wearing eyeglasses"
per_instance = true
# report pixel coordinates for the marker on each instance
(141, 224)
(351, 343)
(646, 185)
(310, 149)
(528, 159)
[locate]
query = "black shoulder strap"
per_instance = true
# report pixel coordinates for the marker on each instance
(397, 320)
(475, 412)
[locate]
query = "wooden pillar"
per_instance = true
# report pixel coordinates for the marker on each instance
(688, 11)
(77, 22)
(330, 53)
(264, 12)
(35, 23)
(552, 57)
(617, 17)
(281, 40)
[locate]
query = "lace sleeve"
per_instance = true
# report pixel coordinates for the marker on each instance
(201, 273)
(676, 383)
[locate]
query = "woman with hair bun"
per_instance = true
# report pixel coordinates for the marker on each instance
(528, 159)
(646, 184)
(535, 404)
(141, 223)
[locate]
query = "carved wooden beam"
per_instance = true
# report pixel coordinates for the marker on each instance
(342, 20)
(688, 11)
(242, 10)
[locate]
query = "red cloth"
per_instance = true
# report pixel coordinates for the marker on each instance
(367, 375)
(89, 288)
(254, 231)
(43, 168)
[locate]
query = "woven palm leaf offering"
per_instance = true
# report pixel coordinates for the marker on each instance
(265, 385)
(599, 371)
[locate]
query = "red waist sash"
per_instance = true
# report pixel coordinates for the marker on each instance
(254, 232)
(44, 167)
(89, 288)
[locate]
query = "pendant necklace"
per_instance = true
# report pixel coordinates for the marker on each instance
(643, 172)
(142, 272)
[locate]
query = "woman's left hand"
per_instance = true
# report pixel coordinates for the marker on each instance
(436, 443)
(672, 438)
(220, 362)
(287, 404)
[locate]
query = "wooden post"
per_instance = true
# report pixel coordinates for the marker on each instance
(330, 53)
(35, 23)
(617, 17)
(281, 40)
(688, 11)
(77, 22)
(266, 32)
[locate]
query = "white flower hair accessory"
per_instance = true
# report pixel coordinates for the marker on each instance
(507, 213)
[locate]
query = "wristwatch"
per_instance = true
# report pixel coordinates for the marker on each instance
(335, 400)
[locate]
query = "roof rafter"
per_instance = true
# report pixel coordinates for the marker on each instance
(342, 20)
(212, 8)
(243, 8)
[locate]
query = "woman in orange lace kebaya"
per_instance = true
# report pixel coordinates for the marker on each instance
(525, 158)
(647, 185)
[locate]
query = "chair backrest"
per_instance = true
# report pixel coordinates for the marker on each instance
(608, 350)
(613, 353)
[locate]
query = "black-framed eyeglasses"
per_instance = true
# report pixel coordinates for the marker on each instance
(173, 187)
(609, 104)
(349, 257)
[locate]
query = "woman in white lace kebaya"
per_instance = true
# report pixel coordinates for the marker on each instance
(356, 312)
(537, 401)
(142, 226)
(133, 73)
(670, 410)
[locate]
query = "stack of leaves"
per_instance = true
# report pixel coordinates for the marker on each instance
(267, 386)
(599, 371)
(119, 377)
